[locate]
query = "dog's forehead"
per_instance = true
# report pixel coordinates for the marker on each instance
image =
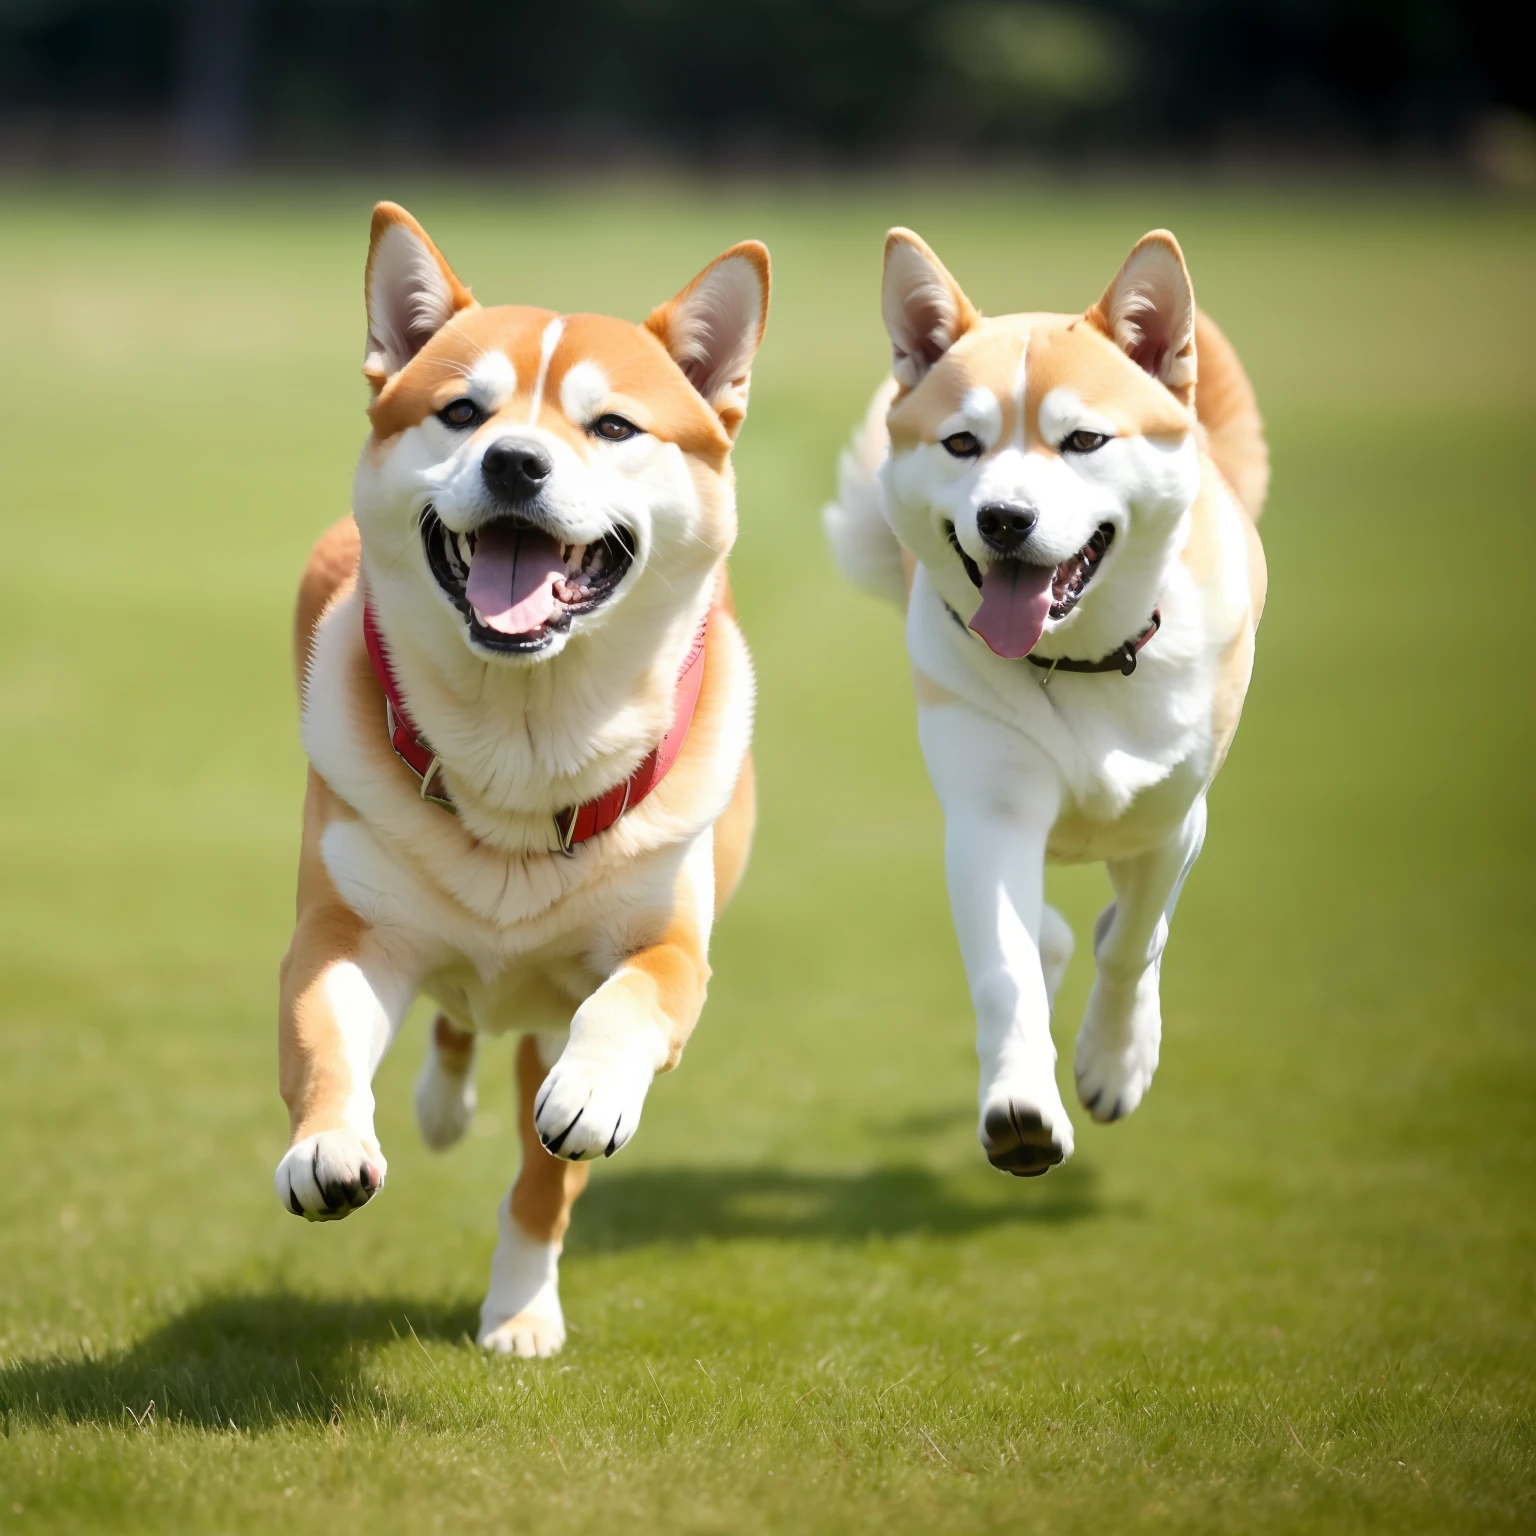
(1003, 360)
(642, 381)
(1074, 356)
(517, 357)
(981, 368)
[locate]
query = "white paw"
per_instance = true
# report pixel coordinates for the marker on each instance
(532, 1335)
(445, 1103)
(1024, 1128)
(590, 1105)
(329, 1175)
(1117, 1048)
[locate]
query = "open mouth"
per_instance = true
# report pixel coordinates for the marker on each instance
(516, 584)
(1017, 598)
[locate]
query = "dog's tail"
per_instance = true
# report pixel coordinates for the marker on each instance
(865, 549)
(1225, 404)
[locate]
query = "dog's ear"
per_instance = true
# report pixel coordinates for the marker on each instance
(410, 290)
(1149, 313)
(925, 309)
(713, 328)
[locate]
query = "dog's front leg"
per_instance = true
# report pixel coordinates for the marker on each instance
(341, 1003)
(1122, 1029)
(634, 1026)
(1000, 799)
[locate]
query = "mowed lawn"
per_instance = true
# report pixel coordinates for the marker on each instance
(1294, 1291)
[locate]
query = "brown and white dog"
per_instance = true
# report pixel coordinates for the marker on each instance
(1069, 520)
(527, 708)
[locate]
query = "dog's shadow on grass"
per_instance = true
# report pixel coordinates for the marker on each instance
(256, 1360)
(673, 1205)
(242, 1362)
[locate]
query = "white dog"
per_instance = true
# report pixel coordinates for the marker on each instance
(1074, 539)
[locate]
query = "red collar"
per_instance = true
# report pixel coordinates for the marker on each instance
(578, 823)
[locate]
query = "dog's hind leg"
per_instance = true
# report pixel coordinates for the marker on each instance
(1121, 1033)
(445, 1087)
(521, 1314)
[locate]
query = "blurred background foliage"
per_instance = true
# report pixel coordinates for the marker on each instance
(218, 83)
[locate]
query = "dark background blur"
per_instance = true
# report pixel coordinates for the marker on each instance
(488, 83)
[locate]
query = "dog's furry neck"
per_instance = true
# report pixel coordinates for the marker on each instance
(519, 742)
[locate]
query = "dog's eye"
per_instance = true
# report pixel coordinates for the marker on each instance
(964, 445)
(1084, 442)
(613, 429)
(460, 413)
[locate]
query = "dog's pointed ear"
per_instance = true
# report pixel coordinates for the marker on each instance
(1149, 313)
(713, 328)
(411, 293)
(925, 310)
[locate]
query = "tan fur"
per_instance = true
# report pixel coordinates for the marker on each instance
(546, 1187)
(332, 565)
(649, 389)
(733, 836)
(1229, 412)
(455, 1047)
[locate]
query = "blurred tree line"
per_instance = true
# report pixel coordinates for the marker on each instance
(484, 82)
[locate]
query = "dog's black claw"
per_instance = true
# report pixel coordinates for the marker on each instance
(613, 1141)
(326, 1195)
(1093, 1103)
(293, 1203)
(559, 1141)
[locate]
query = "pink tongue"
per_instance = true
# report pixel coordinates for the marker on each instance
(1015, 603)
(512, 577)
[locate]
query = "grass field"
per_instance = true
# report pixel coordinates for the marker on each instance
(1295, 1291)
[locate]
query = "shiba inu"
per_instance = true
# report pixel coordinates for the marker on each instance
(1066, 504)
(527, 707)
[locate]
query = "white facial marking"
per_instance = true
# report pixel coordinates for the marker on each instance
(492, 382)
(582, 392)
(1019, 380)
(980, 413)
(546, 351)
(1062, 413)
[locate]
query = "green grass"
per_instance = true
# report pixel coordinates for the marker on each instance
(1294, 1291)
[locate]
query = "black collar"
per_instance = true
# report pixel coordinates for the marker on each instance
(1122, 659)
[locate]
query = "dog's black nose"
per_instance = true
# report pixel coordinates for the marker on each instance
(1005, 525)
(515, 471)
